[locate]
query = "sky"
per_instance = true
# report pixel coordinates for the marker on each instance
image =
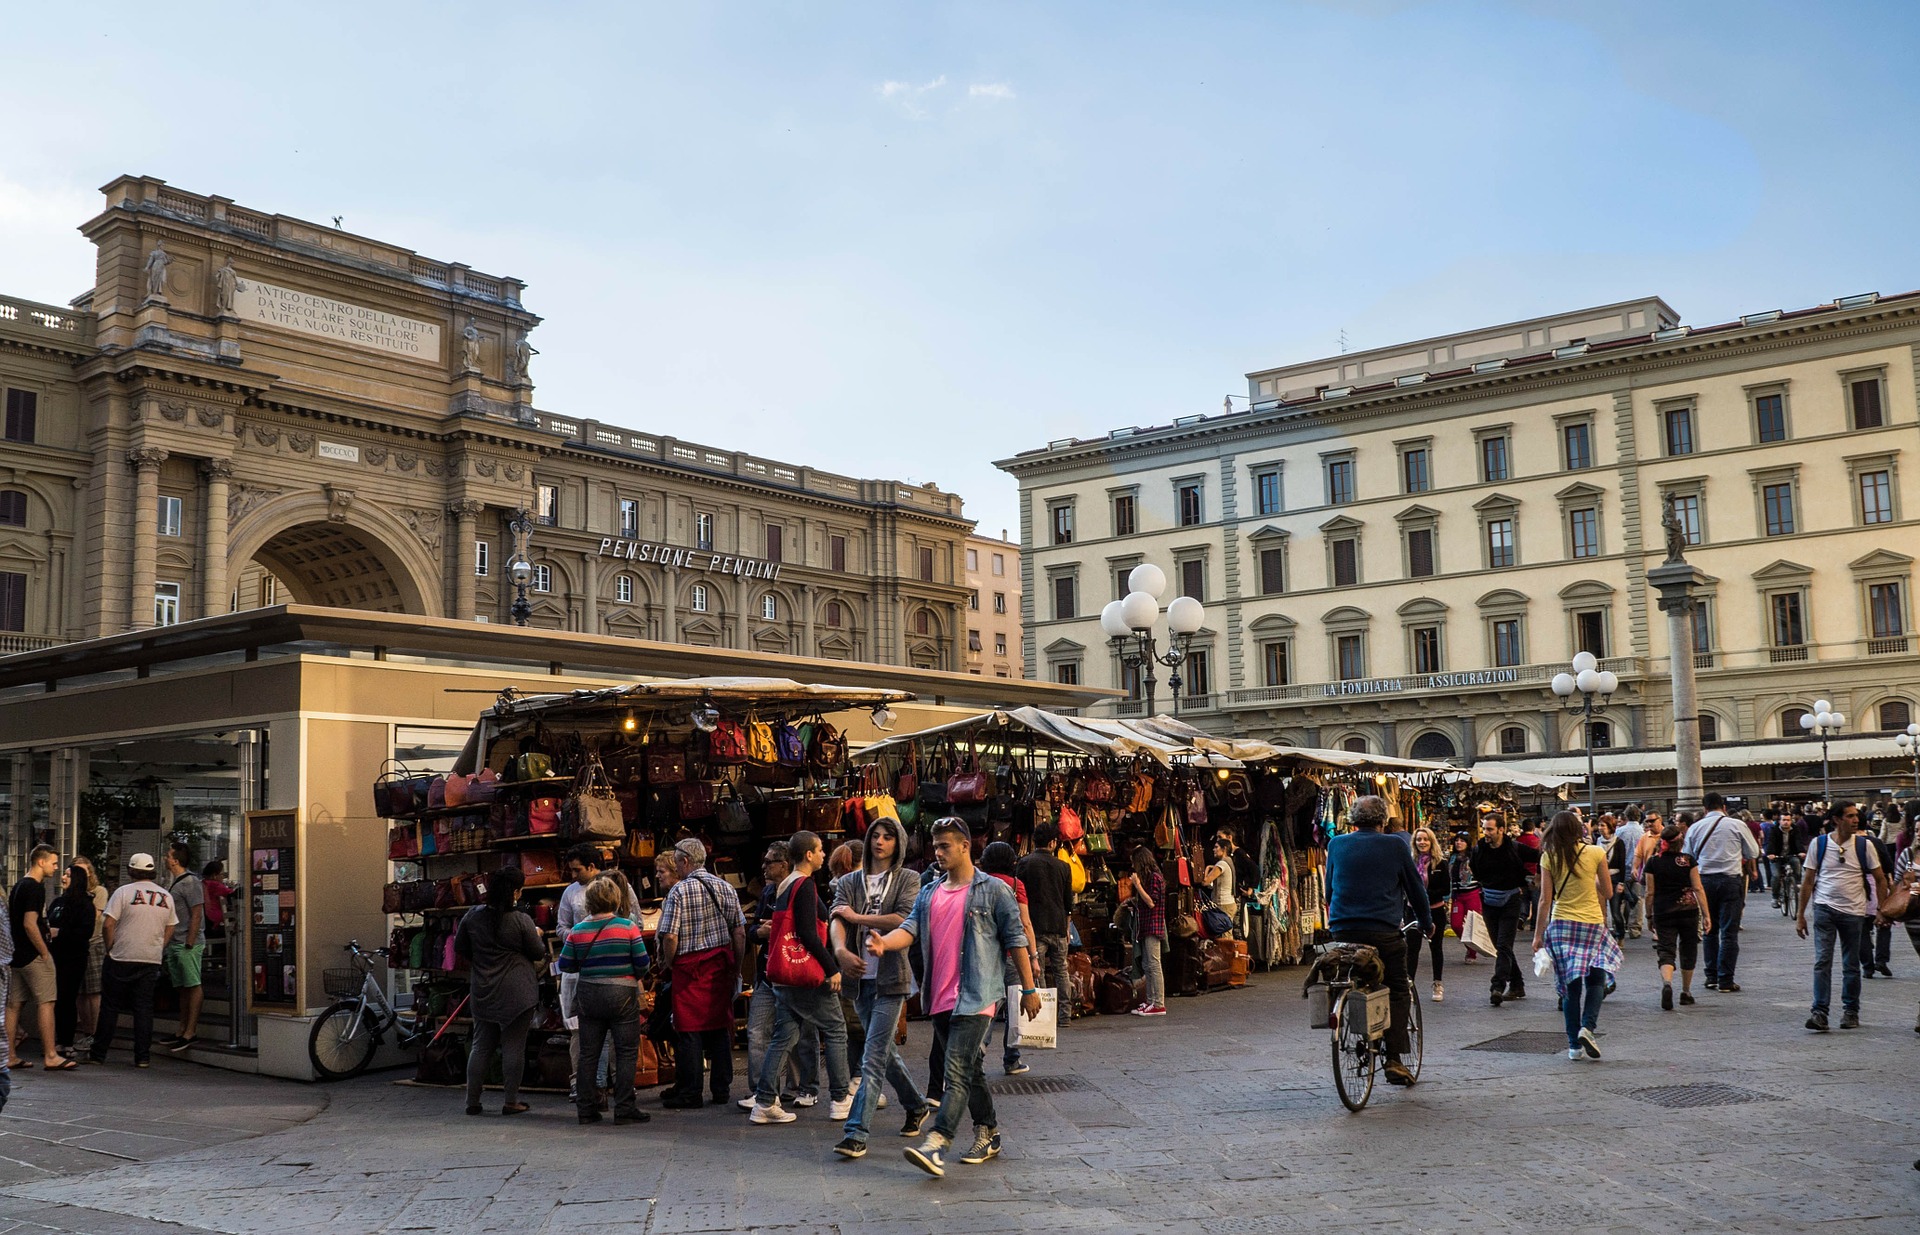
(903, 240)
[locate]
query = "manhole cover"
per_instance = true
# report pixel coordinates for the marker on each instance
(1523, 1042)
(1679, 1096)
(1039, 1084)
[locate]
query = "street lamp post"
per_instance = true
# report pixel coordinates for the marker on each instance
(1128, 624)
(1823, 722)
(1587, 680)
(519, 569)
(1909, 743)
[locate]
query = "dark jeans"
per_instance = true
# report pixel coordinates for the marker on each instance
(1392, 946)
(1581, 1007)
(693, 1053)
(128, 986)
(881, 1064)
(1502, 924)
(1433, 948)
(1882, 943)
(856, 1025)
(1053, 972)
(798, 1008)
(1726, 900)
(69, 975)
(1830, 924)
(965, 1083)
(1677, 932)
(1620, 908)
(510, 1039)
(609, 1010)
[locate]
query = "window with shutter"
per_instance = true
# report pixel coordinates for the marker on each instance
(1272, 572)
(1193, 579)
(13, 600)
(1420, 552)
(1346, 563)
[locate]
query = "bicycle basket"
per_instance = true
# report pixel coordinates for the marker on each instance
(340, 983)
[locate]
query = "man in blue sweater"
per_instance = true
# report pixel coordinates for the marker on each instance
(1371, 885)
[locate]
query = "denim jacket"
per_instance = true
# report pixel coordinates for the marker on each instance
(992, 929)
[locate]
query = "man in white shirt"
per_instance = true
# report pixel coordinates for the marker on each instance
(139, 922)
(1844, 882)
(1722, 846)
(1627, 895)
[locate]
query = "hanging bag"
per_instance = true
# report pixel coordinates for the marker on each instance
(788, 749)
(967, 787)
(591, 810)
(543, 816)
(789, 963)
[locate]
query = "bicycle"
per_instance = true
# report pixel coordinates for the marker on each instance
(344, 1038)
(1789, 886)
(1358, 1013)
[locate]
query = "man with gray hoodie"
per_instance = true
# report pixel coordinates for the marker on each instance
(878, 897)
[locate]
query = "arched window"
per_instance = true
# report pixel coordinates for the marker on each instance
(833, 613)
(1709, 727)
(1790, 726)
(1357, 745)
(1896, 714)
(1513, 740)
(922, 623)
(699, 598)
(1599, 734)
(623, 589)
(13, 508)
(770, 607)
(1432, 745)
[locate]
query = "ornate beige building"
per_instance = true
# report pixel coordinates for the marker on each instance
(250, 408)
(993, 607)
(1399, 548)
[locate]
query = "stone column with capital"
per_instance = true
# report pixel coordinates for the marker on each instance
(214, 597)
(145, 463)
(465, 512)
(1677, 582)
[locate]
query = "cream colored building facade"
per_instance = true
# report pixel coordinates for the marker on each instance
(1398, 548)
(993, 607)
(248, 409)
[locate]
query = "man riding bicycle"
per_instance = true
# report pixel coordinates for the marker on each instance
(1371, 884)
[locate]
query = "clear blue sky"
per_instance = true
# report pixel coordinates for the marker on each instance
(904, 239)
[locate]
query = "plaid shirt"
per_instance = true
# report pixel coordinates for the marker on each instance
(698, 921)
(1154, 921)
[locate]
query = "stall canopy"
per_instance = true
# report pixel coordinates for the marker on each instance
(1501, 774)
(1045, 730)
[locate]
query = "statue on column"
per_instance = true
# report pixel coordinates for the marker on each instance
(1676, 534)
(157, 263)
(470, 346)
(225, 284)
(521, 359)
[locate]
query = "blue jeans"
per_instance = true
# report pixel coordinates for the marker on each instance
(1582, 1004)
(803, 1068)
(1726, 900)
(966, 1084)
(798, 1008)
(1851, 930)
(881, 1061)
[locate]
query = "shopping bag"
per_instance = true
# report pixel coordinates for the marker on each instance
(1474, 933)
(1043, 1030)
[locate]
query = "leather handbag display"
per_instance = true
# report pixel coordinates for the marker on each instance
(727, 743)
(695, 799)
(532, 765)
(789, 750)
(760, 744)
(731, 818)
(639, 846)
(968, 787)
(666, 767)
(826, 749)
(784, 816)
(541, 867)
(591, 810)
(1071, 828)
(543, 816)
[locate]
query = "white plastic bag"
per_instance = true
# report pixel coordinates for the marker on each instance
(1043, 1030)
(1474, 933)
(1542, 963)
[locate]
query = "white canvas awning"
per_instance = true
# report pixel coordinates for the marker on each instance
(1520, 778)
(770, 693)
(1746, 755)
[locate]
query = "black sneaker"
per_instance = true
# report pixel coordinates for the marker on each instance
(1729, 988)
(1516, 992)
(1849, 1020)
(930, 1155)
(986, 1144)
(1666, 997)
(1817, 1022)
(1712, 984)
(181, 1044)
(1496, 997)
(635, 1117)
(850, 1148)
(917, 1120)
(1686, 999)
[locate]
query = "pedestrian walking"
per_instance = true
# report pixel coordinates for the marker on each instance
(87, 1008)
(1049, 884)
(1678, 905)
(701, 939)
(1843, 881)
(806, 997)
(846, 858)
(1876, 952)
(1628, 891)
(1500, 867)
(74, 922)
(966, 926)
(999, 859)
(1574, 884)
(35, 980)
(502, 949)
(1373, 887)
(799, 1084)
(139, 921)
(605, 952)
(1433, 868)
(186, 953)
(1724, 848)
(1150, 918)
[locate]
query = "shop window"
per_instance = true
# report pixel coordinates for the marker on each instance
(546, 505)
(1357, 746)
(1590, 632)
(1513, 740)
(1416, 470)
(1346, 562)
(1275, 663)
(481, 552)
(769, 608)
(1886, 612)
(1709, 727)
(1192, 509)
(543, 578)
(1193, 579)
(1896, 715)
(1195, 675)
(13, 508)
(833, 613)
(629, 519)
(999, 602)
(1063, 597)
(1677, 425)
(1339, 481)
(166, 604)
(1067, 673)
(1350, 652)
(1420, 552)
(837, 553)
(1599, 734)
(23, 407)
(698, 600)
(1583, 532)
(623, 589)
(1576, 444)
(1499, 543)
(13, 600)
(703, 532)
(1426, 649)
(169, 522)
(926, 565)
(1863, 398)
(1507, 649)
(1266, 489)
(1876, 497)
(1063, 524)
(1273, 571)
(1126, 519)
(1770, 417)
(1493, 458)
(1777, 502)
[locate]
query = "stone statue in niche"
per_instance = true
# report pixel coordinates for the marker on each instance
(470, 346)
(521, 360)
(157, 263)
(226, 284)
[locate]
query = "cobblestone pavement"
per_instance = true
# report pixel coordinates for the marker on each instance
(1220, 1119)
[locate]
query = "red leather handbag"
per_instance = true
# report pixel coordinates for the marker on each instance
(696, 799)
(727, 743)
(543, 816)
(666, 767)
(968, 787)
(1071, 828)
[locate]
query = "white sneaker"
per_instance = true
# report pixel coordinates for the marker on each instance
(1439, 993)
(746, 1103)
(880, 1103)
(1588, 1045)
(840, 1109)
(1574, 1052)
(772, 1113)
(805, 1099)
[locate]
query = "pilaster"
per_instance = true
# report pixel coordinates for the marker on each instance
(145, 462)
(216, 474)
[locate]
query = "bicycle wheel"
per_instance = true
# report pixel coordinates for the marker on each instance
(342, 1041)
(1416, 1037)
(1354, 1061)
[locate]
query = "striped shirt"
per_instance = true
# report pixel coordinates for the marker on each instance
(606, 949)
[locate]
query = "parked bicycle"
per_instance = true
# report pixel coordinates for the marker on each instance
(1347, 995)
(343, 1041)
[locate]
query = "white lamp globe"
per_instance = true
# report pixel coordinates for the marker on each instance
(1139, 611)
(1806, 720)
(1112, 623)
(1587, 680)
(1563, 684)
(1913, 730)
(1822, 705)
(1583, 661)
(1185, 615)
(1609, 681)
(1839, 720)
(1903, 740)
(1148, 578)
(1823, 719)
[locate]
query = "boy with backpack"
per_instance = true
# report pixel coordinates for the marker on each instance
(1843, 883)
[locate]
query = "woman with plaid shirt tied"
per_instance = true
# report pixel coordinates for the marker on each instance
(1150, 889)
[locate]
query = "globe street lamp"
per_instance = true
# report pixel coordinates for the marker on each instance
(1823, 722)
(1587, 680)
(519, 569)
(1909, 743)
(1128, 624)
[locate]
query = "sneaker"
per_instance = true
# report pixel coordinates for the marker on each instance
(850, 1148)
(1666, 997)
(930, 1155)
(1712, 984)
(1019, 1067)
(804, 1100)
(746, 1103)
(171, 1043)
(1587, 1044)
(1574, 1052)
(986, 1144)
(1729, 988)
(1849, 1020)
(1866, 971)
(841, 1108)
(1158, 1009)
(917, 1120)
(880, 1103)
(1497, 996)
(772, 1113)
(143, 1063)
(1398, 1073)
(1817, 1022)
(1439, 993)
(637, 1117)
(181, 1044)
(1884, 971)
(1687, 999)
(1516, 992)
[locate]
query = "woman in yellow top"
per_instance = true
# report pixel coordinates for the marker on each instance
(1574, 885)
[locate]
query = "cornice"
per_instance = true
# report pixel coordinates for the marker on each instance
(73, 355)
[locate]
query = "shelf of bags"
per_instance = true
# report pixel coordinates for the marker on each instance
(547, 840)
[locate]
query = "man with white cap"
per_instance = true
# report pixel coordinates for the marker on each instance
(139, 924)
